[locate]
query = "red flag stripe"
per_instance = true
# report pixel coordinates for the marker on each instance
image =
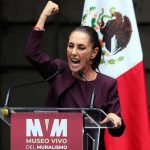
(134, 106)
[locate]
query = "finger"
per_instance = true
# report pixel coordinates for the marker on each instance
(55, 10)
(117, 123)
(104, 121)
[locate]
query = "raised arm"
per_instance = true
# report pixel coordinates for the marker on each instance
(50, 9)
(43, 62)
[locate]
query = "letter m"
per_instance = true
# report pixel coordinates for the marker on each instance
(34, 128)
(59, 128)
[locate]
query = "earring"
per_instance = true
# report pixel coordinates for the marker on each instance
(91, 61)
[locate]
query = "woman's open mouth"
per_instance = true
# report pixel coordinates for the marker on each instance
(75, 61)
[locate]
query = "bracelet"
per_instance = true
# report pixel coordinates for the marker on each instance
(38, 29)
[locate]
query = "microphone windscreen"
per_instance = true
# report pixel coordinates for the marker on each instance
(81, 73)
(60, 70)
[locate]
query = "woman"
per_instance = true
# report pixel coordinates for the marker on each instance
(69, 86)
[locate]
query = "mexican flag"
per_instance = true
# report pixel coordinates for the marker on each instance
(114, 21)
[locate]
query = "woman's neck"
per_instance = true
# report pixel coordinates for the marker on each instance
(89, 75)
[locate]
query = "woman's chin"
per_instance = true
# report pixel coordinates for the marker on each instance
(75, 69)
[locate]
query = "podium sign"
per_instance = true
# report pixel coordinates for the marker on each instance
(46, 131)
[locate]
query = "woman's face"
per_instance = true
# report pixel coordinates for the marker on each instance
(80, 52)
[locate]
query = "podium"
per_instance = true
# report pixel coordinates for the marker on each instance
(92, 121)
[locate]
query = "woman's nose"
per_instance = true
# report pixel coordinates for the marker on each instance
(74, 51)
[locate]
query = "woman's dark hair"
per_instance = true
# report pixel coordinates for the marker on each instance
(94, 39)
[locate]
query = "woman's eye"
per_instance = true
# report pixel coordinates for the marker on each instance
(70, 46)
(81, 48)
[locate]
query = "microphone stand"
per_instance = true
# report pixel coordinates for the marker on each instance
(81, 74)
(28, 84)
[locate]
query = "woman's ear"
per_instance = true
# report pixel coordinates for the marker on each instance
(94, 52)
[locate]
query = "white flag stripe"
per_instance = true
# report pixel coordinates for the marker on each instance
(131, 55)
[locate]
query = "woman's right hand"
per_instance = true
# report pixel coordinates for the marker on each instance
(50, 9)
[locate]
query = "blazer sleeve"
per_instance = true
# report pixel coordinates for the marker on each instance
(45, 64)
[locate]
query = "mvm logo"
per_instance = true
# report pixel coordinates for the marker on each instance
(58, 129)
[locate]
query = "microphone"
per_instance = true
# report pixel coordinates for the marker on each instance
(59, 70)
(81, 74)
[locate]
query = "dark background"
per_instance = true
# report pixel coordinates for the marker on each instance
(17, 17)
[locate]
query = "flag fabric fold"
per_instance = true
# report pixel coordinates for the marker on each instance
(122, 59)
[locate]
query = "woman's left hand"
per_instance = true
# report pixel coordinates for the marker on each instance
(114, 118)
